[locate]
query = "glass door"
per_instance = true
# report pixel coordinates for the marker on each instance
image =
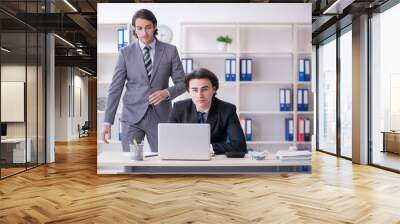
(13, 100)
(346, 93)
(327, 96)
(385, 89)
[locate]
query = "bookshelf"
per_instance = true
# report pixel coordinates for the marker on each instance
(275, 50)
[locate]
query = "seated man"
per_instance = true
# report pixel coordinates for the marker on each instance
(203, 107)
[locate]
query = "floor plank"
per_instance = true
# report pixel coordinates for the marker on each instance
(70, 191)
(386, 159)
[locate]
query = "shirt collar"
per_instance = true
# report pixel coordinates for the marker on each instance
(152, 44)
(206, 111)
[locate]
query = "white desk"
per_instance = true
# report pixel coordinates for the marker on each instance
(120, 163)
(18, 150)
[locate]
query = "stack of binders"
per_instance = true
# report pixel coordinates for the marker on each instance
(246, 73)
(302, 99)
(187, 64)
(123, 37)
(304, 130)
(304, 70)
(289, 129)
(247, 128)
(230, 69)
(285, 99)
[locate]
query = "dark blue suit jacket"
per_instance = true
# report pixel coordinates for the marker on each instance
(223, 121)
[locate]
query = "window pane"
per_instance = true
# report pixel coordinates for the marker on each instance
(346, 94)
(31, 97)
(327, 97)
(13, 86)
(385, 84)
(23, 84)
(41, 98)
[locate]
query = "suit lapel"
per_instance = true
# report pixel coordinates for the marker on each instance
(212, 113)
(141, 67)
(158, 55)
(193, 113)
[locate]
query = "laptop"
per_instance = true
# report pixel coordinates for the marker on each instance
(183, 141)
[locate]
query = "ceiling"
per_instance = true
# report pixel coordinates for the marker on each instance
(76, 23)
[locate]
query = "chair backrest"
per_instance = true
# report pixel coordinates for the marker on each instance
(86, 125)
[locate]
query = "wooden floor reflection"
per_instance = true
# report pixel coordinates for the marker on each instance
(70, 191)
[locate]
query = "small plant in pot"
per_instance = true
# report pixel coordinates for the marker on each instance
(223, 42)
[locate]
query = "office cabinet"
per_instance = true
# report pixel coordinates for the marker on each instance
(391, 141)
(275, 51)
(15, 152)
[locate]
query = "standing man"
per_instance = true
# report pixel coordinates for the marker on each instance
(144, 68)
(203, 107)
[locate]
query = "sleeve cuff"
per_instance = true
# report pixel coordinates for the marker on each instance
(169, 95)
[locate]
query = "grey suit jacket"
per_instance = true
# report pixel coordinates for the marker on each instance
(130, 71)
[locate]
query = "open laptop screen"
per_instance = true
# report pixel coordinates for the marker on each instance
(184, 141)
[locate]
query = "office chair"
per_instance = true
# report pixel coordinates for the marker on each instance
(84, 130)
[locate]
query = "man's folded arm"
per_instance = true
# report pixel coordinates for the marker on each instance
(178, 77)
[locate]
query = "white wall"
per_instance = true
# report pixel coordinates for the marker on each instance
(15, 73)
(80, 84)
(68, 81)
(33, 126)
(173, 14)
(61, 103)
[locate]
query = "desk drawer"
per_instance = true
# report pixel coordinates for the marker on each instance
(6, 154)
(15, 152)
(392, 142)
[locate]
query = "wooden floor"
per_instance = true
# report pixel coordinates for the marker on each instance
(10, 171)
(386, 159)
(70, 191)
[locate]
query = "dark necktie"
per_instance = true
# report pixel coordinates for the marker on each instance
(201, 117)
(147, 61)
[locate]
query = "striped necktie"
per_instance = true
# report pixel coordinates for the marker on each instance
(147, 61)
(201, 117)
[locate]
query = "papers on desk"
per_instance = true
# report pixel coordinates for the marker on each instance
(150, 154)
(293, 155)
(254, 155)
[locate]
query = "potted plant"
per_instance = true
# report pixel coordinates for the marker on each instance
(223, 42)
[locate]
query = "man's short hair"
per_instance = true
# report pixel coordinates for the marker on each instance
(147, 15)
(202, 73)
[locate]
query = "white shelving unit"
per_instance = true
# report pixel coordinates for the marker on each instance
(275, 50)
